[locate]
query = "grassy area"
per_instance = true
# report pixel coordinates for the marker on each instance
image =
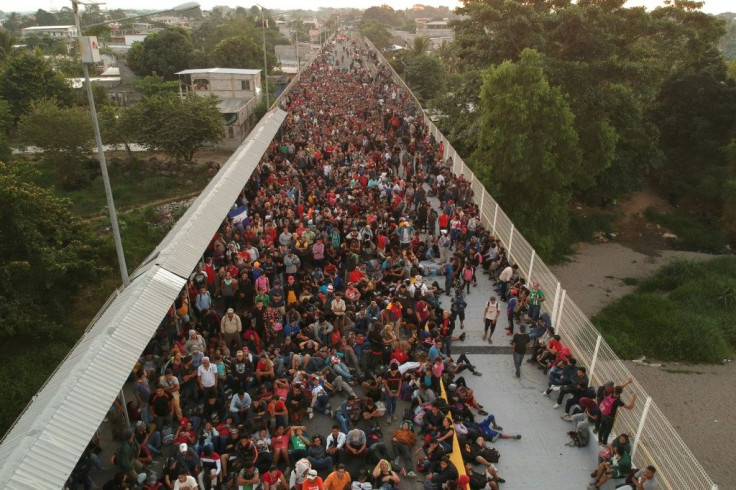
(134, 183)
(693, 233)
(682, 313)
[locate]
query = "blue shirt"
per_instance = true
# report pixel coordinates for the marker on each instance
(434, 352)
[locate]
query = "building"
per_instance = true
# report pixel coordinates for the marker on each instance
(239, 91)
(63, 32)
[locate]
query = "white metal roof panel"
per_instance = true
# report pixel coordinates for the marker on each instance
(49, 435)
(226, 71)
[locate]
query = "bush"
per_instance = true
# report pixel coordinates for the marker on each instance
(682, 313)
(695, 234)
(582, 227)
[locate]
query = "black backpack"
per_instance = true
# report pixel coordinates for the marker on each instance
(580, 438)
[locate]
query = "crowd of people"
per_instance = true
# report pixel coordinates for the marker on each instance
(336, 289)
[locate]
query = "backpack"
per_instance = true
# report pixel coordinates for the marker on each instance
(468, 274)
(167, 435)
(491, 454)
(580, 438)
(606, 405)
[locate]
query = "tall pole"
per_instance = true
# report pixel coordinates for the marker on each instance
(265, 62)
(298, 64)
(101, 156)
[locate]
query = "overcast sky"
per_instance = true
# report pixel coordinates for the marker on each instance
(711, 6)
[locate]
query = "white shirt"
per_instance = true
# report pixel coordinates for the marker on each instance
(208, 375)
(492, 310)
(189, 484)
(341, 438)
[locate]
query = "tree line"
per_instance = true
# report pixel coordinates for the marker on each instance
(550, 101)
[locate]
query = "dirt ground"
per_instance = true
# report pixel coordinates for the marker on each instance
(697, 399)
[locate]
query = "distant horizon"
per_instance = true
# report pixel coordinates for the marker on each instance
(31, 6)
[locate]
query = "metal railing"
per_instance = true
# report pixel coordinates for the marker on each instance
(655, 441)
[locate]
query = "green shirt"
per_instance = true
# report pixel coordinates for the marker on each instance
(623, 467)
(536, 296)
(297, 443)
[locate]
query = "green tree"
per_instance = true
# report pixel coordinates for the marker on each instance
(6, 45)
(58, 131)
(46, 18)
(165, 52)
(115, 128)
(176, 126)
(377, 33)
(27, 77)
(528, 149)
(64, 134)
(420, 46)
(44, 252)
(13, 23)
(238, 52)
(426, 76)
(696, 115)
(154, 84)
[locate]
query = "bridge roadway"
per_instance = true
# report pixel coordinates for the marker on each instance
(540, 460)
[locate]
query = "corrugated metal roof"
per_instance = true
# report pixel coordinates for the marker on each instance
(232, 105)
(44, 445)
(227, 71)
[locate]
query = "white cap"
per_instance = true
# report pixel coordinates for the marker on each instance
(183, 447)
(312, 474)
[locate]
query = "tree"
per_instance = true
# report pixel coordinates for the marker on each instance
(165, 52)
(13, 23)
(426, 76)
(6, 45)
(420, 46)
(58, 131)
(176, 126)
(154, 84)
(238, 52)
(696, 115)
(528, 149)
(45, 252)
(27, 77)
(44, 18)
(377, 33)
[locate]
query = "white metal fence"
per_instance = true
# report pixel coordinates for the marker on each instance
(655, 441)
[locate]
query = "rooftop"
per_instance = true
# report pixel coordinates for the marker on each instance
(225, 71)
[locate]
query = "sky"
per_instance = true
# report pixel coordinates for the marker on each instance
(711, 6)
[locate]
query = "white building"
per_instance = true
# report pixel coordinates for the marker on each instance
(239, 91)
(63, 32)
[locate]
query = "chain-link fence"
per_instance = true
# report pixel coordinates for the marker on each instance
(655, 441)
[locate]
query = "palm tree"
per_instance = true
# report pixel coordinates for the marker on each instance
(421, 45)
(446, 53)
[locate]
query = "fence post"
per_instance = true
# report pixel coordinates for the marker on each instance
(558, 327)
(511, 241)
(639, 429)
(531, 266)
(482, 201)
(495, 216)
(591, 372)
(556, 304)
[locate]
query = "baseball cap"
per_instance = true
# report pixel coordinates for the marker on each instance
(183, 447)
(230, 310)
(312, 474)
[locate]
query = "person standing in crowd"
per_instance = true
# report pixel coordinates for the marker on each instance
(518, 344)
